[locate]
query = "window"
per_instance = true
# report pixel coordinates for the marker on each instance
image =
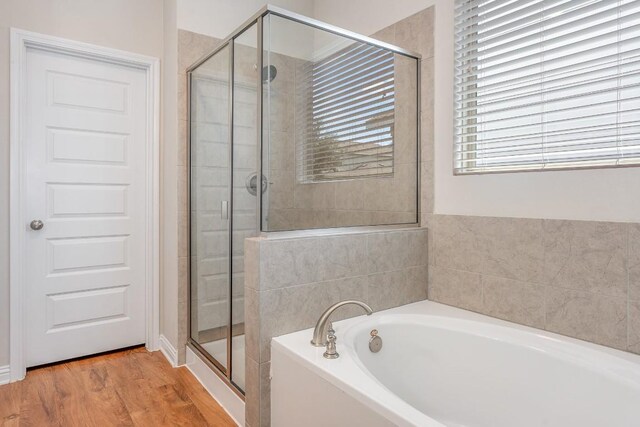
(544, 84)
(347, 129)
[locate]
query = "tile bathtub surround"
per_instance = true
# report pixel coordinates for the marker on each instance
(576, 278)
(289, 282)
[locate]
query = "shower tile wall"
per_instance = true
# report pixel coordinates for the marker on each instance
(576, 278)
(291, 281)
(415, 33)
(279, 152)
(295, 205)
(373, 201)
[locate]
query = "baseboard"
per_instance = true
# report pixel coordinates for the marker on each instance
(5, 375)
(169, 351)
(230, 401)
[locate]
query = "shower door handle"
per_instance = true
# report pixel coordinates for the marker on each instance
(224, 209)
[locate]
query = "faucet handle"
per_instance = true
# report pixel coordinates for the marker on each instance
(331, 352)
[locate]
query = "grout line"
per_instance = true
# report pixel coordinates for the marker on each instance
(544, 306)
(628, 343)
(358, 276)
(537, 284)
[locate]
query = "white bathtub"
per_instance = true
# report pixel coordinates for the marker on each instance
(442, 366)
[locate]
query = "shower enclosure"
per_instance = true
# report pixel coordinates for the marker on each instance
(294, 124)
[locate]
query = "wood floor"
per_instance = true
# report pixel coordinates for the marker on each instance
(126, 388)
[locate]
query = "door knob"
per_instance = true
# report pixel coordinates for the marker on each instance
(36, 224)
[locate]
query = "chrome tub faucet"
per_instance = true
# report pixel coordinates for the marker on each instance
(322, 326)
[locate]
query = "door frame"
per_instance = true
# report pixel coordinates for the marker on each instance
(20, 41)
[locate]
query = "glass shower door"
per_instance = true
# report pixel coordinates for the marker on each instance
(210, 208)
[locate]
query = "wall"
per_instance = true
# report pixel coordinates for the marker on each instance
(368, 16)
(576, 278)
(122, 24)
(4, 183)
(597, 194)
(291, 281)
(218, 18)
(416, 33)
(169, 196)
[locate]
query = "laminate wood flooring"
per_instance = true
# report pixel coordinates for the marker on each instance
(125, 388)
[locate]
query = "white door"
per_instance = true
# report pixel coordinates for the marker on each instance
(85, 174)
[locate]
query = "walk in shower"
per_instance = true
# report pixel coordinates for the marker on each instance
(294, 124)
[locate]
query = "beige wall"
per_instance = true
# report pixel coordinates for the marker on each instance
(135, 26)
(218, 18)
(169, 176)
(368, 16)
(5, 23)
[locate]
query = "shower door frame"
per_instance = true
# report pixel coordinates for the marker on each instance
(257, 19)
(223, 372)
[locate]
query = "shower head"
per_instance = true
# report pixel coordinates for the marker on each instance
(269, 73)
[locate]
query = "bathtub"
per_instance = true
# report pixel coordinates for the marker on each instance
(442, 366)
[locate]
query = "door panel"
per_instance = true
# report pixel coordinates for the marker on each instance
(210, 206)
(87, 253)
(85, 307)
(82, 91)
(87, 200)
(85, 164)
(86, 147)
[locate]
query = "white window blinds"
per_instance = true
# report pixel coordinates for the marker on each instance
(347, 128)
(546, 84)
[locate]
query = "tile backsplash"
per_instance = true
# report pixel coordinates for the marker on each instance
(576, 278)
